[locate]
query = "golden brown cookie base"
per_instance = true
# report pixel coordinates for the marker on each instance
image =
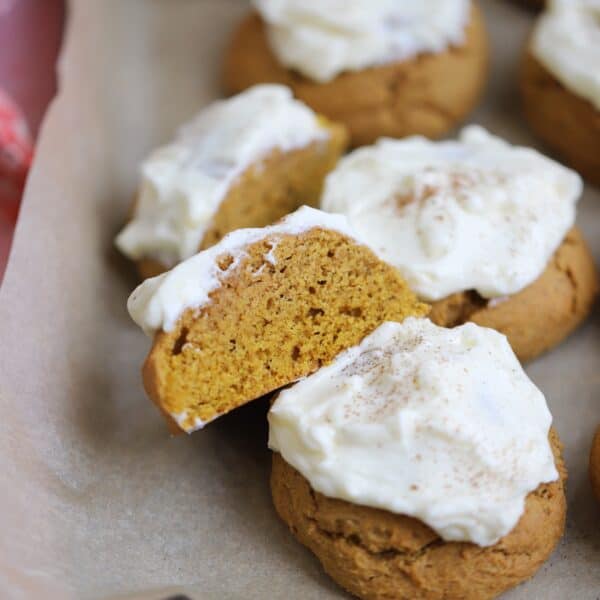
(544, 313)
(378, 555)
(569, 124)
(269, 324)
(595, 464)
(427, 95)
(270, 189)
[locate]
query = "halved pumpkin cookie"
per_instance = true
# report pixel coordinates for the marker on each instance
(259, 310)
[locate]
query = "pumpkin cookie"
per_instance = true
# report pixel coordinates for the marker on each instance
(406, 481)
(416, 69)
(560, 86)
(259, 310)
(242, 162)
(541, 315)
(595, 464)
(480, 229)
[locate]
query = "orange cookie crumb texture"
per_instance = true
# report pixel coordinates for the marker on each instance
(544, 313)
(379, 555)
(429, 94)
(281, 312)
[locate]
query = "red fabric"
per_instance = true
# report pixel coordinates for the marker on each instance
(16, 152)
(30, 36)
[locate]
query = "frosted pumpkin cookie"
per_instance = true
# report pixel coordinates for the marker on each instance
(242, 162)
(420, 464)
(560, 82)
(260, 309)
(382, 68)
(482, 230)
(595, 464)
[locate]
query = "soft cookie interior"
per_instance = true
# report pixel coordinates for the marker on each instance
(290, 306)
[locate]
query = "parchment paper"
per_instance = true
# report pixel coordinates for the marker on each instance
(96, 498)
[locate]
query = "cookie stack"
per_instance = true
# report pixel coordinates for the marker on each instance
(385, 299)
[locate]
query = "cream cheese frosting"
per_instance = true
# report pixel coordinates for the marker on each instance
(158, 302)
(473, 214)
(184, 182)
(438, 424)
(322, 39)
(566, 40)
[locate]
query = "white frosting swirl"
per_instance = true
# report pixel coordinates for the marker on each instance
(184, 183)
(439, 424)
(157, 303)
(566, 40)
(323, 38)
(452, 216)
